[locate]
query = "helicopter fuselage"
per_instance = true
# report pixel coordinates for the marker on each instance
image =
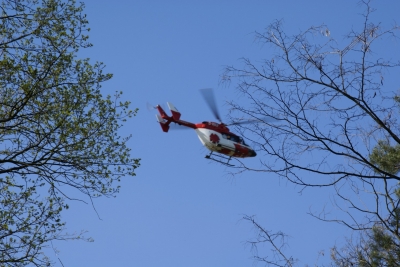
(214, 136)
(223, 143)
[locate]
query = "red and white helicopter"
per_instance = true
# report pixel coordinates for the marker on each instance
(215, 136)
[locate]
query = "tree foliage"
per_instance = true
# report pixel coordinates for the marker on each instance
(379, 246)
(386, 157)
(58, 135)
(335, 123)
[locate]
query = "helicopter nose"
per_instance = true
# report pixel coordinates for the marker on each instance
(252, 153)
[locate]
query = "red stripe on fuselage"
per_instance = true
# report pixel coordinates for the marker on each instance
(221, 128)
(241, 150)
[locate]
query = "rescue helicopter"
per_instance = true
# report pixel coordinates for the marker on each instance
(214, 136)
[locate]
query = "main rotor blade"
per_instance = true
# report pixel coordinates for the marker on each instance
(261, 120)
(209, 97)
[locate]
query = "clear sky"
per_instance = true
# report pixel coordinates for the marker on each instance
(182, 209)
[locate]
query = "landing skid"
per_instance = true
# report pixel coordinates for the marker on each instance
(212, 157)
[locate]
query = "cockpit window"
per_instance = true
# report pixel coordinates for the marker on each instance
(241, 140)
(234, 138)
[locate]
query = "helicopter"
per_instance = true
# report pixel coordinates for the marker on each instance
(214, 136)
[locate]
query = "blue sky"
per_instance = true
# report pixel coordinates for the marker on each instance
(181, 209)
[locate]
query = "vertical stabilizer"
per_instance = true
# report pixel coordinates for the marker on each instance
(175, 113)
(164, 125)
